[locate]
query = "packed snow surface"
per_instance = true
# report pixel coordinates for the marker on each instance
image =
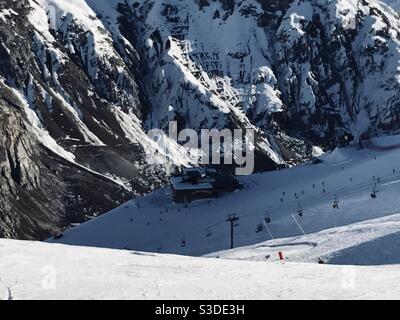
(372, 242)
(33, 270)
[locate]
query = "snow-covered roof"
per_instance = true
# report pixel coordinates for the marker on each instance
(191, 186)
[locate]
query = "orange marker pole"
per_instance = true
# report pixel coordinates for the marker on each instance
(281, 256)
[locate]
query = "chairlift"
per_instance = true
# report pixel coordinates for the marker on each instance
(336, 202)
(183, 241)
(267, 218)
(300, 210)
(375, 190)
(336, 205)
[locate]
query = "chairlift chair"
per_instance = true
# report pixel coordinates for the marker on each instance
(374, 192)
(336, 205)
(183, 240)
(300, 211)
(336, 202)
(183, 243)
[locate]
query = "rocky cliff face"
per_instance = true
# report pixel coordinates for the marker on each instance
(83, 80)
(72, 146)
(41, 192)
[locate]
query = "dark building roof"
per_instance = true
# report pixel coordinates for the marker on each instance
(198, 183)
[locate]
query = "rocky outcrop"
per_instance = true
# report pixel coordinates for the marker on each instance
(71, 143)
(42, 193)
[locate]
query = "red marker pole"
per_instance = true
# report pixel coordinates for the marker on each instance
(281, 256)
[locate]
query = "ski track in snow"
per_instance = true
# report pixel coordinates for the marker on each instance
(5, 292)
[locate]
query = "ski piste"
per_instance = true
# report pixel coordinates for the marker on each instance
(346, 175)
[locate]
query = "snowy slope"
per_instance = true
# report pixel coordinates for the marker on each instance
(394, 4)
(154, 223)
(372, 242)
(47, 271)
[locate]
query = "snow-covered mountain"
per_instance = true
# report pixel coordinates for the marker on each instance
(83, 80)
